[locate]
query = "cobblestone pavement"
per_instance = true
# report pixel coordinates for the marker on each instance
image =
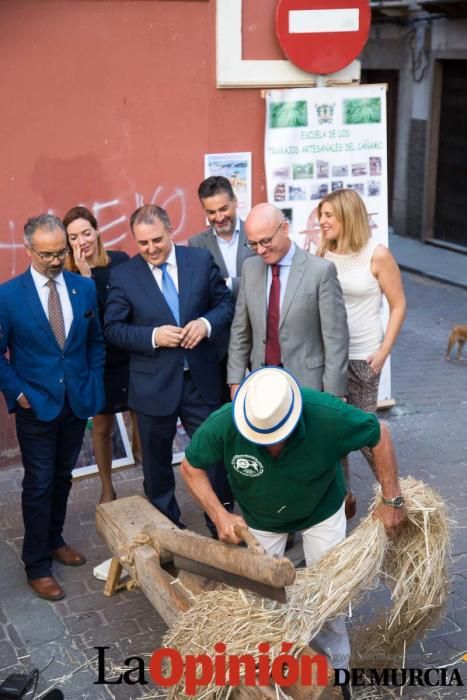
(429, 426)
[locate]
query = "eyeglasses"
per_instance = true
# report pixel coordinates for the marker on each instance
(50, 257)
(264, 242)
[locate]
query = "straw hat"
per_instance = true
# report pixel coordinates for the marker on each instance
(267, 406)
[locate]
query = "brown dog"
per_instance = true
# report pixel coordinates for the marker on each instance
(457, 335)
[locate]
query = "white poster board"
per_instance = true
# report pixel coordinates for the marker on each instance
(236, 167)
(122, 455)
(322, 139)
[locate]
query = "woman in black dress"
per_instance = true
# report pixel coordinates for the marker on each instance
(89, 258)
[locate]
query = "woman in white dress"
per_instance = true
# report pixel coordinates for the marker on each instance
(367, 271)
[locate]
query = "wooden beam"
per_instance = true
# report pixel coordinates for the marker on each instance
(120, 524)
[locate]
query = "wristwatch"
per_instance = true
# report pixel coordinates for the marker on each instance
(396, 502)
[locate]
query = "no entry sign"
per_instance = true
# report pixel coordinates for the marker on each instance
(322, 36)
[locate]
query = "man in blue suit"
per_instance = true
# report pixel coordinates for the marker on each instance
(52, 380)
(167, 306)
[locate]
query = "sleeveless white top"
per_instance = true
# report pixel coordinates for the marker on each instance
(362, 297)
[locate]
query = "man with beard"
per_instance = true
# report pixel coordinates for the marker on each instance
(225, 239)
(52, 380)
(226, 242)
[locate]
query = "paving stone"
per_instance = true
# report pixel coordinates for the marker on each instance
(71, 587)
(91, 602)
(446, 627)
(76, 624)
(13, 636)
(110, 634)
(12, 565)
(459, 586)
(8, 654)
(143, 644)
(95, 585)
(3, 619)
(35, 622)
(457, 642)
(69, 669)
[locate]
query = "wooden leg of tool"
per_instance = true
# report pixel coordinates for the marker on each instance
(120, 523)
(113, 577)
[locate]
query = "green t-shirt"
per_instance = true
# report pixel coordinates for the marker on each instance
(304, 485)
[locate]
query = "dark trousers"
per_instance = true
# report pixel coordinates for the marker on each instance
(157, 434)
(225, 387)
(49, 450)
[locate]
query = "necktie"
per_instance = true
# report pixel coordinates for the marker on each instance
(56, 314)
(273, 348)
(170, 293)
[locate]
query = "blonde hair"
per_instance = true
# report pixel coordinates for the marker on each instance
(350, 211)
(102, 259)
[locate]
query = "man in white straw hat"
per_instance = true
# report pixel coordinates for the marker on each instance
(282, 446)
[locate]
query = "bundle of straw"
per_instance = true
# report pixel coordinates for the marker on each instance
(415, 570)
(414, 566)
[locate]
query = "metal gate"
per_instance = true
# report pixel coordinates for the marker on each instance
(450, 224)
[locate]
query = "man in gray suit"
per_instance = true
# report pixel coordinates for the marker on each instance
(311, 334)
(226, 237)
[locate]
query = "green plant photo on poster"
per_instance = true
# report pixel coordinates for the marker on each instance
(365, 110)
(303, 171)
(288, 114)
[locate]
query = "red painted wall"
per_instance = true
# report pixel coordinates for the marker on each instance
(112, 103)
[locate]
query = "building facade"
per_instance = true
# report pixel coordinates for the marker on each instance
(420, 50)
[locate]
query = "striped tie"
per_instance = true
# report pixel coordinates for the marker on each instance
(56, 314)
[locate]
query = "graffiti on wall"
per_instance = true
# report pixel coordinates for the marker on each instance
(112, 215)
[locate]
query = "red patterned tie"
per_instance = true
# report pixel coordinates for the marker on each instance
(273, 348)
(56, 314)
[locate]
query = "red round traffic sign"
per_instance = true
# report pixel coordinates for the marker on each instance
(322, 36)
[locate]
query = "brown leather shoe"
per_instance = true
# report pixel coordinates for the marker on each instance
(68, 556)
(47, 588)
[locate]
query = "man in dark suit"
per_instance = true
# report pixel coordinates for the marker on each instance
(53, 381)
(226, 237)
(167, 306)
(226, 241)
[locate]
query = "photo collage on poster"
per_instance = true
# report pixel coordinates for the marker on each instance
(319, 140)
(236, 167)
(322, 140)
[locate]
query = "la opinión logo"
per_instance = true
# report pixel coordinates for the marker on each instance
(168, 667)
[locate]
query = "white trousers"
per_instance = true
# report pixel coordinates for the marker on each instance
(332, 639)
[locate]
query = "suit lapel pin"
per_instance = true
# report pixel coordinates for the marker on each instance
(73, 291)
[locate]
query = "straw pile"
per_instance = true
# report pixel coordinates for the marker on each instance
(415, 570)
(414, 567)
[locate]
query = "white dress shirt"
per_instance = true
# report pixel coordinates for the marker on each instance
(40, 282)
(229, 249)
(172, 269)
